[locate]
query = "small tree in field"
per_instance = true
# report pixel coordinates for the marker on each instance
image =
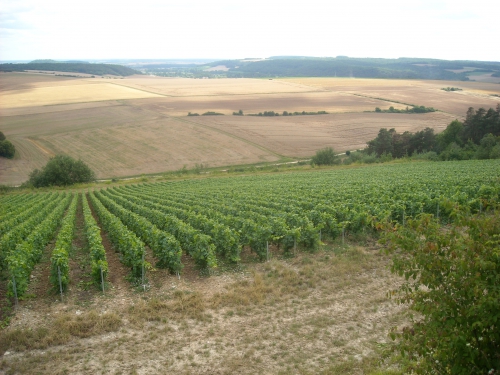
(452, 279)
(7, 149)
(61, 170)
(325, 156)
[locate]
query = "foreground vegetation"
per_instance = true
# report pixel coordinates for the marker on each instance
(451, 282)
(300, 223)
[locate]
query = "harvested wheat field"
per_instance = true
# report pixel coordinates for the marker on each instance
(139, 124)
(79, 93)
(186, 87)
(301, 136)
(417, 92)
(331, 102)
(120, 141)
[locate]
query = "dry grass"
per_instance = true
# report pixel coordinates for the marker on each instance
(324, 312)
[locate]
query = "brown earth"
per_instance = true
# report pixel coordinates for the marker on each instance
(321, 313)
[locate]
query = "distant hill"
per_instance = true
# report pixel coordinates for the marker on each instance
(50, 61)
(340, 66)
(70, 67)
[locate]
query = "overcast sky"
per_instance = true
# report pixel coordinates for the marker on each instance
(155, 29)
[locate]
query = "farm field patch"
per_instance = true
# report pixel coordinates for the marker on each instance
(125, 127)
(331, 102)
(211, 87)
(302, 136)
(120, 141)
(90, 92)
(427, 93)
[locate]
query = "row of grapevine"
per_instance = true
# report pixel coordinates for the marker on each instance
(25, 211)
(59, 274)
(333, 200)
(18, 233)
(12, 208)
(225, 239)
(126, 242)
(196, 244)
(21, 261)
(98, 262)
(164, 246)
(254, 228)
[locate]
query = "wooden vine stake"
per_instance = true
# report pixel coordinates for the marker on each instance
(60, 283)
(143, 286)
(267, 250)
(15, 290)
(102, 280)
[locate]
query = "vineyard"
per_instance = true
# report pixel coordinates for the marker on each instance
(215, 220)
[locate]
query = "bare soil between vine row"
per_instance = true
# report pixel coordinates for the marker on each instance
(322, 312)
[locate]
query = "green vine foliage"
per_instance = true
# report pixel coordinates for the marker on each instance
(131, 248)
(164, 246)
(452, 284)
(60, 255)
(96, 249)
(23, 258)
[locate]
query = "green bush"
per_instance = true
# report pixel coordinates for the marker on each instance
(452, 280)
(324, 156)
(61, 170)
(7, 149)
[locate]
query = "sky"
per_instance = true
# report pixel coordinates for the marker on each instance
(223, 29)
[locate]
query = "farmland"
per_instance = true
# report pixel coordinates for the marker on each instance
(277, 248)
(139, 124)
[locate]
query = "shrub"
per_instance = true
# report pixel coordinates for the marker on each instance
(324, 156)
(451, 281)
(7, 149)
(61, 170)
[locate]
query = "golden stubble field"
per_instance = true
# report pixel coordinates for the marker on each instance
(139, 124)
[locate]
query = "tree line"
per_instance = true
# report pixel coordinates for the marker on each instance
(80, 67)
(477, 137)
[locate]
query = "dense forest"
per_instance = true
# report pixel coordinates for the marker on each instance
(281, 66)
(70, 67)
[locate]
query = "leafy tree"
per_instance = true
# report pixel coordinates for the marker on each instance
(7, 149)
(452, 133)
(451, 282)
(486, 147)
(61, 170)
(424, 140)
(2, 137)
(325, 156)
(383, 142)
